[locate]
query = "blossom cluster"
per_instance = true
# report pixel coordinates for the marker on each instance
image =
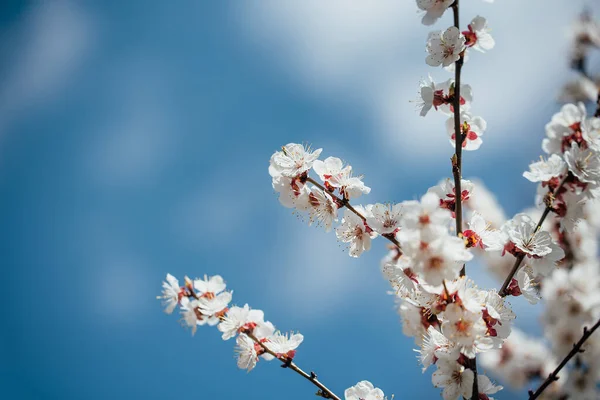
(289, 169)
(445, 49)
(567, 278)
(206, 302)
(570, 293)
(451, 319)
(569, 281)
(547, 253)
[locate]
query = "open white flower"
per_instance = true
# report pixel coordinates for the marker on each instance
(364, 390)
(171, 293)
(328, 168)
(284, 344)
(238, 318)
(454, 378)
(590, 131)
(246, 353)
(385, 218)
(294, 159)
(447, 89)
(350, 187)
(478, 36)
(528, 286)
(447, 192)
(428, 94)
(323, 210)
(434, 9)
(564, 128)
(190, 314)
(209, 287)
(544, 170)
(479, 233)
(584, 164)
(527, 238)
(471, 129)
(292, 192)
(498, 317)
(440, 259)
(353, 230)
(425, 213)
(444, 48)
(436, 346)
(485, 386)
(467, 329)
(214, 307)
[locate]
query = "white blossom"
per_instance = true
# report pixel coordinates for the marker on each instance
(471, 129)
(190, 314)
(246, 353)
(584, 164)
(528, 286)
(354, 231)
(485, 386)
(564, 128)
(294, 159)
(214, 307)
(436, 346)
(323, 210)
(530, 240)
(385, 218)
(544, 170)
(209, 286)
(478, 36)
(434, 9)
(285, 344)
(237, 318)
(444, 48)
(454, 378)
(364, 390)
(170, 293)
(467, 329)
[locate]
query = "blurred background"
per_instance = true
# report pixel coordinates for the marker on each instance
(134, 141)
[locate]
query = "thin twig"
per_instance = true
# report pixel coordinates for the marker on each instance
(521, 257)
(347, 204)
(576, 350)
(288, 363)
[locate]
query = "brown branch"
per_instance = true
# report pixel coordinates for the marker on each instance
(575, 351)
(458, 137)
(457, 173)
(346, 203)
(521, 257)
(288, 363)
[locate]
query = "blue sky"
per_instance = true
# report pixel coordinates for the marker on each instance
(134, 141)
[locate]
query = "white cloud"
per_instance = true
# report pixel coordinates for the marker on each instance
(370, 56)
(54, 37)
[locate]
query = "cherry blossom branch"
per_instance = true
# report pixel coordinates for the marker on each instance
(288, 363)
(521, 257)
(575, 351)
(457, 173)
(346, 203)
(458, 139)
(597, 113)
